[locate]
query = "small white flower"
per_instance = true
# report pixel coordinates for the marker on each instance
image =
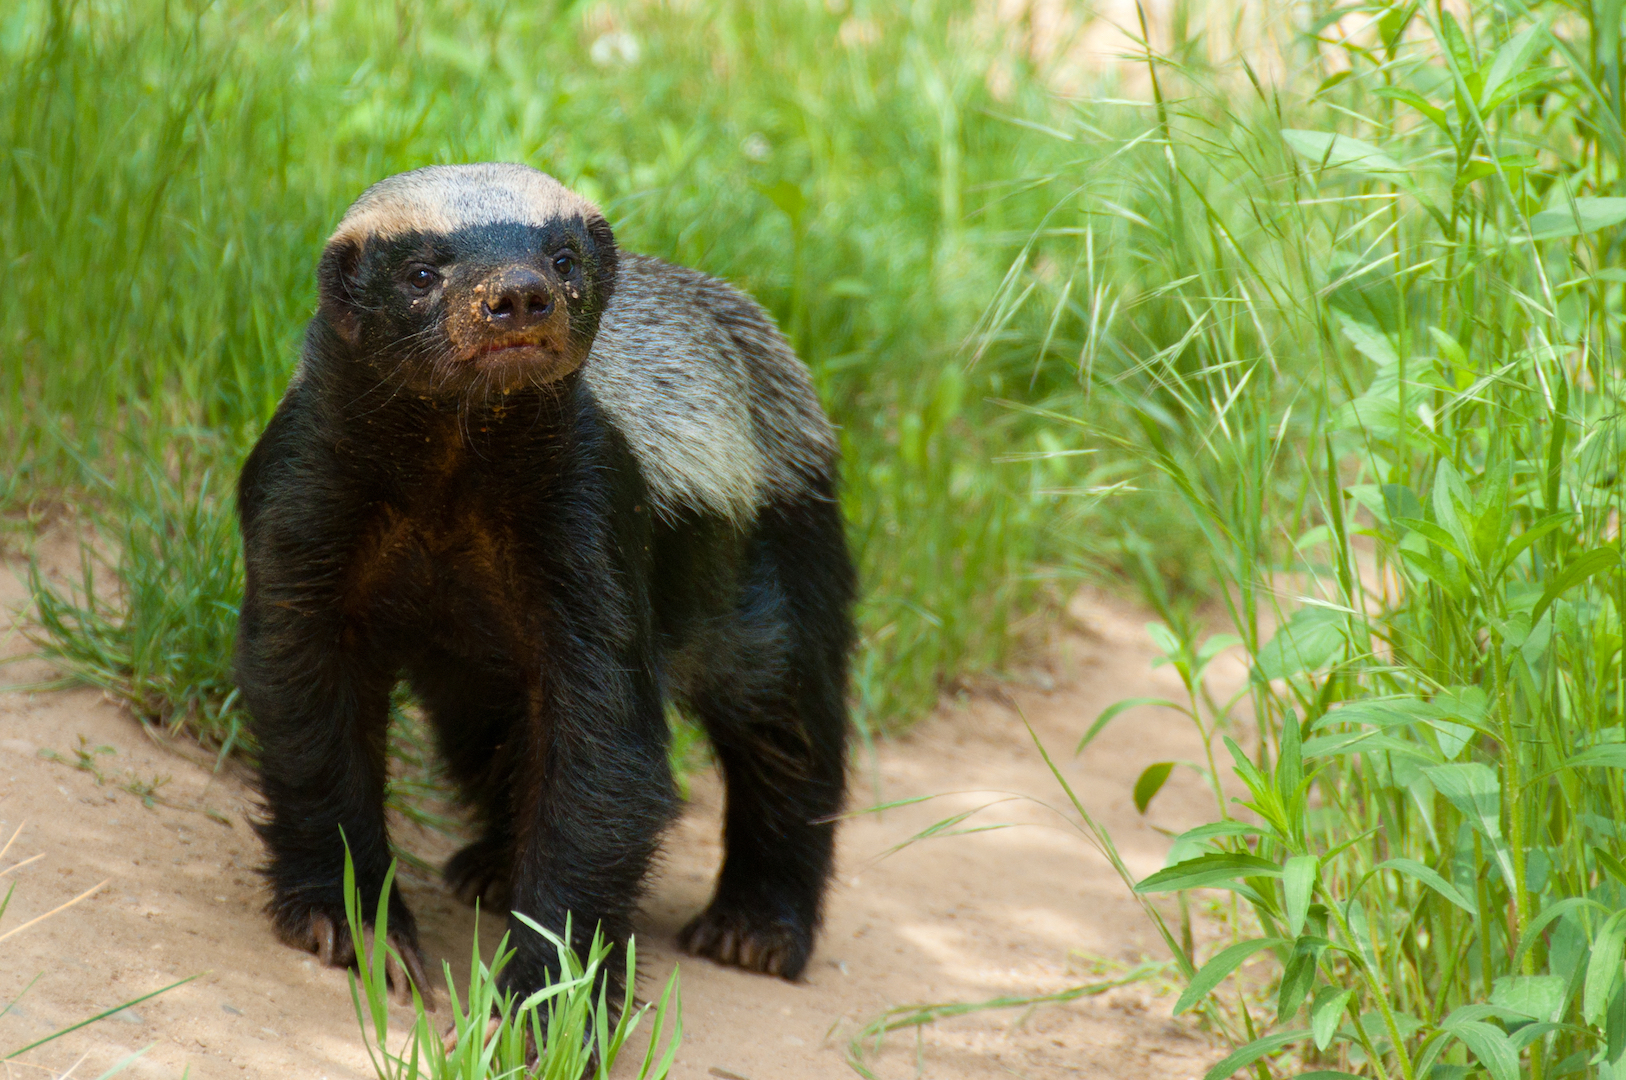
(615, 47)
(756, 147)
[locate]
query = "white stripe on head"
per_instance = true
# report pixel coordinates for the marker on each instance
(445, 198)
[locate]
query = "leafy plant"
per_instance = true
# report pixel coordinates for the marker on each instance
(1382, 378)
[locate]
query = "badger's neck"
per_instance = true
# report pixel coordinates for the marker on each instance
(390, 418)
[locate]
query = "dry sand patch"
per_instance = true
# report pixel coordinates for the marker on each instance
(1007, 912)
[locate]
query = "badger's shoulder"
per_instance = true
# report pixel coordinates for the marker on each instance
(719, 411)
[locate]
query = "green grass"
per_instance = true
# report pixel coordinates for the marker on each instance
(1365, 329)
(566, 1030)
(172, 170)
(1341, 352)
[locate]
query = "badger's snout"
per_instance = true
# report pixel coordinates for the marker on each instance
(514, 300)
(514, 316)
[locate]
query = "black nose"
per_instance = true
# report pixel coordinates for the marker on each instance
(516, 300)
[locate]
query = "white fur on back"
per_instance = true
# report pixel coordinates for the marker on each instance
(715, 406)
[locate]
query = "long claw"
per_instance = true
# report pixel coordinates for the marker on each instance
(395, 979)
(413, 961)
(448, 1041)
(323, 930)
(728, 937)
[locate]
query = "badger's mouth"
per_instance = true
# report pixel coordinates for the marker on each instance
(509, 362)
(512, 350)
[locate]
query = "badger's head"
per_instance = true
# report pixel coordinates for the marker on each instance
(459, 278)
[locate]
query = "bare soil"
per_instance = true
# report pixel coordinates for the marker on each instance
(1019, 911)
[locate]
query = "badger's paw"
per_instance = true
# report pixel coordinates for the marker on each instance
(748, 939)
(314, 928)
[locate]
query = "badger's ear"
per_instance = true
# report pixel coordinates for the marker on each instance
(606, 262)
(336, 284)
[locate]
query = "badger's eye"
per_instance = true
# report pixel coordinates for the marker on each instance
(564, 263)
(422, 279)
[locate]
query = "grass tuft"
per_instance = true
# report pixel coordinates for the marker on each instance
(563, 1031)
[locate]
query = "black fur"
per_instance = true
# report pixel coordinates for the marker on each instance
(493, 544)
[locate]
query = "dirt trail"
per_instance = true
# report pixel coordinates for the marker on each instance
(1009, 912)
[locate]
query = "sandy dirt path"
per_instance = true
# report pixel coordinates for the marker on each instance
(1017, 911)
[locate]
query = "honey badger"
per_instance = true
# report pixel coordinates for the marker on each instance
(552, 485)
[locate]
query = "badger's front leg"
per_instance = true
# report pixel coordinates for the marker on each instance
(320, 709)
(595, 791)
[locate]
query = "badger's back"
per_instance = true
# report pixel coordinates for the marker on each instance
(718, 410)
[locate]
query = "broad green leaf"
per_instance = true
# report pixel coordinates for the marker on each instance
(1219, 828)
(1207, 870)
(1539, 997)
(1513, 630)
(1611, 865)
(1614, 1029)
(1164, 639)
(1511, 60)
(1452, 737)
(1325, 1012)
(1490, 524)
(1606, 756)
(1111, 712)
(1309, 640)
(1150, 783)
(1381, 712)
(1454, 585)
(1290, 762)
(1216, 644)
(1476, 792)
(1480, 169)
(1434, 534)
(1449, 495)
(1589, 214)
(1298, 976)
(1603, 967)
(1523, 1035)
(1549, 915)
(1490, 1045)
(1244, 1056)
(1452, 350)
(1465, 705)
(1199, 841)
(1219, 966)
(1522, 83)
(1434, 113)
(1391, 24)
(1366, 742)
(1377, 347)
(1431, 878)
(1456, 43)
(1299, 876)
(1370, 498)
(1401, 501)
(1536, 531)
(1340, 151)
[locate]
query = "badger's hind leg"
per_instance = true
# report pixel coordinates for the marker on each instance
(773, 702)
(475, 710)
